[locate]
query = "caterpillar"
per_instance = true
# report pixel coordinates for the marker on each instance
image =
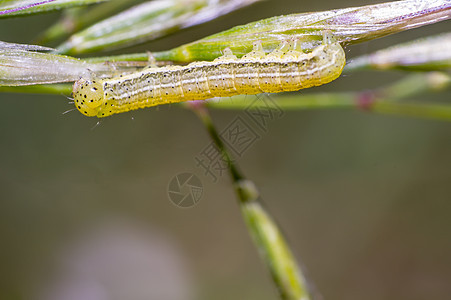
(286, 68)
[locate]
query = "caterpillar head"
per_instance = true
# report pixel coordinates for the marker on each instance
(88, 96)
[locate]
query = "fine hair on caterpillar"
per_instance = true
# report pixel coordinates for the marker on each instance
(286, 68)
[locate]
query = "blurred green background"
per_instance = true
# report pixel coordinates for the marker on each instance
(84, 213)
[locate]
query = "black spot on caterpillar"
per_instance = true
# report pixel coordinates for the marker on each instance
(285, 69)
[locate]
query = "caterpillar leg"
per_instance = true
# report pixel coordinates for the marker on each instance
(328, 37)
(151, 60)
(257, 52)
(328, 43)
(228, 55)
(295, 51)
(281, 51)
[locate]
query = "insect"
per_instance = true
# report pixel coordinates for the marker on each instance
(284, 69)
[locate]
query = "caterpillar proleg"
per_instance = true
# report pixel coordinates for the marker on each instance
(285, 69)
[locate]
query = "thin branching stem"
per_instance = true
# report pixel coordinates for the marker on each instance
(267, 236)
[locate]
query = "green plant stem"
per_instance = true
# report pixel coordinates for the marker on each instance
(268, 238)
(56, 89)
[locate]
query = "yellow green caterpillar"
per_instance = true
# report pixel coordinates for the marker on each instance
(285, 69)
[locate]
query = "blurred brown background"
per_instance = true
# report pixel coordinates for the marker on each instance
(84, 213)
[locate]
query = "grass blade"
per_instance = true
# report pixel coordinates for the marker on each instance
(427, 54)
(19, 66)
(147, 21)
(76, 19)
(27, 7)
